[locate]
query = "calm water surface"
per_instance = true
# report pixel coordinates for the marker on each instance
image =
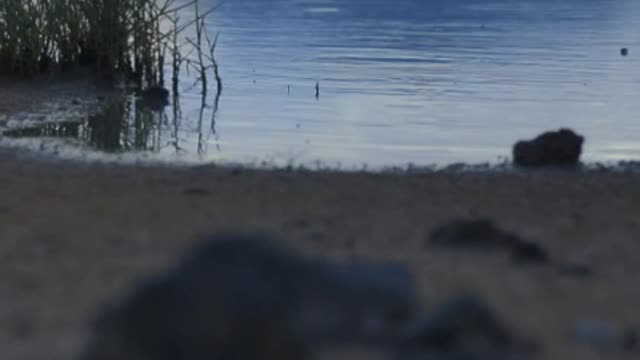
(414, 80)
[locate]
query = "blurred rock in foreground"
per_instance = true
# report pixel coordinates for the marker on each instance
(242, 297)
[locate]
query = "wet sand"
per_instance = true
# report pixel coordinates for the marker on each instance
(73, 236)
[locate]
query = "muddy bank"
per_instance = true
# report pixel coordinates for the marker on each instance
(51, 98)
(73, 235)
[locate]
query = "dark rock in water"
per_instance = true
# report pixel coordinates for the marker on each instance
(624, 51)
(155, 97)
(476, 234)
(553, 148)
(463, 328)
(241, 297)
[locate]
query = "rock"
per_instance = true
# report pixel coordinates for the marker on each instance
(600, 335)
(631, 340)
(483, 234)
(477, 234)
(577, 270)
(462, 322)
(155, 98)
(463, 327)
(604, 336)
(242, 297)
(624, 51)
(196, 191)
(553, 148)
(523, 251)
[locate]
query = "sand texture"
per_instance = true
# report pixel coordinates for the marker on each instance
(73, 236)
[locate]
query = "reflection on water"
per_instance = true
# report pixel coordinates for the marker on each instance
(420, 81)
(70, 129)
(130, 125)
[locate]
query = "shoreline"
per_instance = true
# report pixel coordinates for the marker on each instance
(77, 231)
(74, 96)
(28, 150)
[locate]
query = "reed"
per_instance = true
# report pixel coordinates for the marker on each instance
(114, 37)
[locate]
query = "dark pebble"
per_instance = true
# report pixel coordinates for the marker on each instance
(576, 270)
(631, 340)
(475, 234)
(529, 252)
(196, 191)
(483, 234)
(624, 51)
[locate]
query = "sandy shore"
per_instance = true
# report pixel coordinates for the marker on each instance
(73, 236)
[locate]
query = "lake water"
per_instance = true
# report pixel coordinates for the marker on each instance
(414, 81)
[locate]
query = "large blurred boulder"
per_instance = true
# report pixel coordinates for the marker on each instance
(242, 297)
